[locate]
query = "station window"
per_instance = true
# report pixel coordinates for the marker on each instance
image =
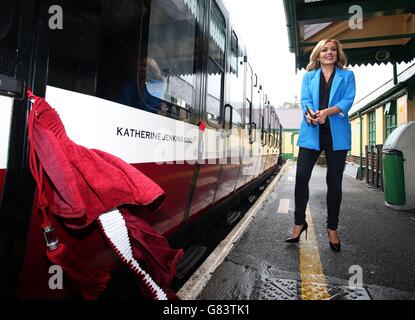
(128, 52)
(390, 118)
(216, 64)
(372, 128)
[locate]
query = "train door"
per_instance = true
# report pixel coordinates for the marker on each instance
(234, 110)
(258, 115)
(267, 140)
(281, 139)
(278, 139)
(121, 83)
(273, 138)
(270, 137)
(213, 138)
(248, 162)
(18, 35)
(239, 90)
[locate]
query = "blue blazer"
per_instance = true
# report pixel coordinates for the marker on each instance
(342, 94)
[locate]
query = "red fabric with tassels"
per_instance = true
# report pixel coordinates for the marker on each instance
(86, 183)
(91, 281)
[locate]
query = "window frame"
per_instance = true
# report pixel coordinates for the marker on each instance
(238, 74)
(391, 118)
(193, 105)
(220, 123)
(168, 108)
(371, 128)
(234, 54)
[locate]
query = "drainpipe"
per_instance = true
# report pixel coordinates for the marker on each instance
(290, 17)
(361, 146)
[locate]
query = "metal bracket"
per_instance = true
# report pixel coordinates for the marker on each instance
(11, 87)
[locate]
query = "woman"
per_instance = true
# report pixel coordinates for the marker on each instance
(328, 91)
(148, 91)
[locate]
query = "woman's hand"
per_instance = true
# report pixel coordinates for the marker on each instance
(322, 116)
(311, 119)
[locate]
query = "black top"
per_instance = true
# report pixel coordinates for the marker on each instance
(325, 88)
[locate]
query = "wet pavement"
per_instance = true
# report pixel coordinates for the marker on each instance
(377, 260)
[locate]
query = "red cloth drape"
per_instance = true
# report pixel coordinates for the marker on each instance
(84, 183)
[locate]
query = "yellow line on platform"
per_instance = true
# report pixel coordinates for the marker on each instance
(313, 281)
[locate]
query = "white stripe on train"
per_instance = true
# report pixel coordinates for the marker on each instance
(137, 136)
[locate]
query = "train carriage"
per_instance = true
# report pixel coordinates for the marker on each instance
(165, 85)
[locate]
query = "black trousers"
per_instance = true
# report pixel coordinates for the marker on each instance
(335, 166)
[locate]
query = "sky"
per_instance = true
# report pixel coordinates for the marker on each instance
(261, 26)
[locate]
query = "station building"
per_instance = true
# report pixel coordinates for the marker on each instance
(374, 118)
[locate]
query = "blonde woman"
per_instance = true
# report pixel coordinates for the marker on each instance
(327, 93)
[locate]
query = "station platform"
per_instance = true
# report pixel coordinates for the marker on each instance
(376, 262)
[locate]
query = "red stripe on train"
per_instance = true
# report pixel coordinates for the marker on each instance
(175, 179)
(2, 178)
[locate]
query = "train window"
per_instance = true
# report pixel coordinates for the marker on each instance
(214, 92)
(169, 69)
(217, 32)
(9, 31)
(234, 61)
(216, 64)
(272, 127)
(249, 99)
(256, 110)
(100, 52)
(74, 53)
(276, 126)
(8, 38)
(255, 102)
(236, 82)
(237, 118)
(249, 80)
(266, 121)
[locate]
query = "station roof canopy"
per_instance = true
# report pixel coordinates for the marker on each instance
(386, 33)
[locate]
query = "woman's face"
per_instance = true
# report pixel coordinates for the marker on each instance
(328, 55)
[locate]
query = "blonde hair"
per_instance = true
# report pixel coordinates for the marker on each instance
(315, 64)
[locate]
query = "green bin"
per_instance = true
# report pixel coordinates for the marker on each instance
(393, 177)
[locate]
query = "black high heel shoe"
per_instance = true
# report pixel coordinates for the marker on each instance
(297, 238)
(334, 246)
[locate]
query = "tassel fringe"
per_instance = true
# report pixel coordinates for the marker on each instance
(113, 225)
